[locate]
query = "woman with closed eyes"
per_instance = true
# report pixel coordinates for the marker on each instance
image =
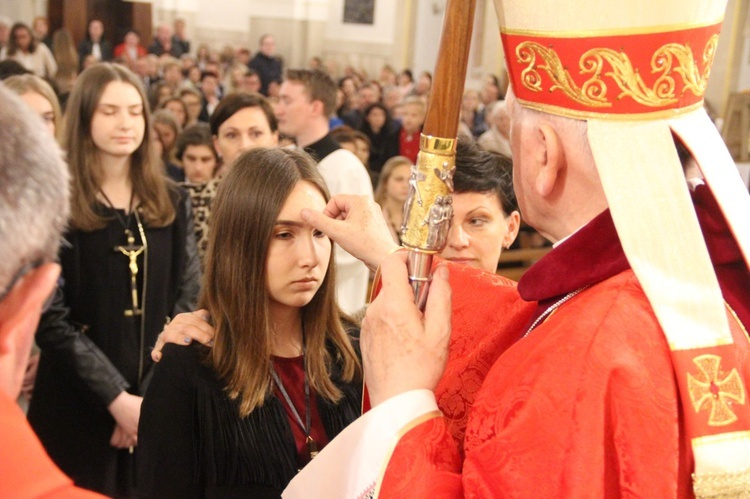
(129, 262)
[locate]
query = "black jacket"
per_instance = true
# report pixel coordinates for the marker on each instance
(269, 69)
(91, 352)
(87, 46)
(194, 443)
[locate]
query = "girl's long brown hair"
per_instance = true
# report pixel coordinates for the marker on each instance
(235, 290)
(149, 183)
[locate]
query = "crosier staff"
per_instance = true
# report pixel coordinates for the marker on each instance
(428, 210)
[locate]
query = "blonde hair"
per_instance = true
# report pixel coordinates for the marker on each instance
(381, 190)
(21, 84)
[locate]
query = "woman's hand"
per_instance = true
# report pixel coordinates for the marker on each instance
(126, 409)
(183, 330)
(121, 440)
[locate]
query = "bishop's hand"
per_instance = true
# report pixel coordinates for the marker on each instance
(356, 224)
(402, 348)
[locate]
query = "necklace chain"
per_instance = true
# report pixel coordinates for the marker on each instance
(306, 426)
(129, 212)
(552, 308)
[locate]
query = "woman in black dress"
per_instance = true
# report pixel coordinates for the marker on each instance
(130, 262)
(282, 378)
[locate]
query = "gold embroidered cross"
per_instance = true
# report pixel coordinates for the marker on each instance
(710, 389)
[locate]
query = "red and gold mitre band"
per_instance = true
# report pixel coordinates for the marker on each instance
(612, 75)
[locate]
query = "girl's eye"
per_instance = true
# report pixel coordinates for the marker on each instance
(318, 233)
(283, 235)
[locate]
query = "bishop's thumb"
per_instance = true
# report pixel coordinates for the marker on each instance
(320, 221)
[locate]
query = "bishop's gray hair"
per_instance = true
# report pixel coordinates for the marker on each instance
(34, 189)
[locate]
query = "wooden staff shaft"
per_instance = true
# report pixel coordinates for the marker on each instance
(428, 214)
(444, 107)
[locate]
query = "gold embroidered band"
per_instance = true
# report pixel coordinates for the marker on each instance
(612, 76)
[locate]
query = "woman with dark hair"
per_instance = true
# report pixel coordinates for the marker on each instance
(405, 82)
(282, 378)
(95, 44)
(129, 264)
(383, 133)
(485, 211)
(35, 57)
(241, 121)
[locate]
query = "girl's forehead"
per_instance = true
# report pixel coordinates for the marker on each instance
(303, 195)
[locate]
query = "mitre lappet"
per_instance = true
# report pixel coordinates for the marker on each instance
(637, 73)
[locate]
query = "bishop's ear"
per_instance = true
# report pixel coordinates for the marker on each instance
(550, 159)
(22, 306)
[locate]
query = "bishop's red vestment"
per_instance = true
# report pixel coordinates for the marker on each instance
(25, 469)
(585, 405)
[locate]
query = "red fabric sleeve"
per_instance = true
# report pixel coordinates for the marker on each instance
(425, 463)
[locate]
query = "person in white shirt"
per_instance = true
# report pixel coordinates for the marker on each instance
(34, 56)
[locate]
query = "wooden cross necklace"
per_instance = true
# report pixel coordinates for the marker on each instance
(131, 250)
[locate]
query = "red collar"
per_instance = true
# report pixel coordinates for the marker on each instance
(569, 266)
(594, 254)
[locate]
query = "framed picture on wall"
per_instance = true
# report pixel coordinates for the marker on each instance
(359, 11)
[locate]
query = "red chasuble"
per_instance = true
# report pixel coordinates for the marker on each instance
(479, 335)
(25, 469)
(585, 405)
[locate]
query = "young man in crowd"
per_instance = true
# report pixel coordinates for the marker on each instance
(195, 150)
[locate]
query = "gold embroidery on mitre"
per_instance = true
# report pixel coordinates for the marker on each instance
(714, 388)
(667, 60)
(694, 80)
(591, 94)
